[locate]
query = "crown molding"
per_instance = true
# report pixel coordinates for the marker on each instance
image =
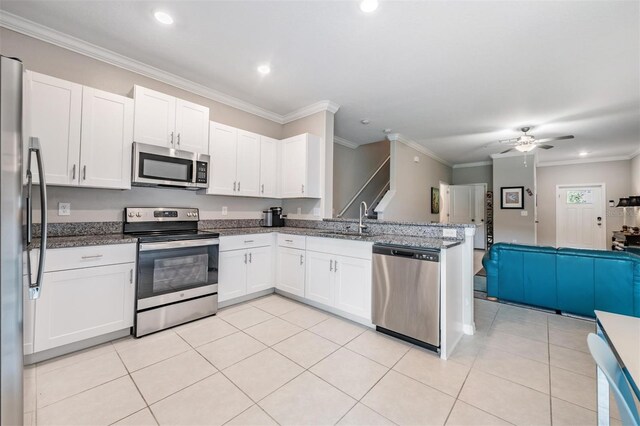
(584, 161)
(344, 142)
(635, 154)
(476, 164)
(57, 38)
(397, 137)
(321, 106)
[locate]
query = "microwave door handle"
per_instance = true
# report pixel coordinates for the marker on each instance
(34, 146)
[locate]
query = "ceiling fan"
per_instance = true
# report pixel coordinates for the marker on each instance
(526, 142)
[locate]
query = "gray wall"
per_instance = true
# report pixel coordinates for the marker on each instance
(478, 174)
(510, 225)
(635, 175)
(616, 175)
(352, 168)
(412, 183)
(102, 204)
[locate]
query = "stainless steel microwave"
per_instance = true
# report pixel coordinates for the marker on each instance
(167, 167)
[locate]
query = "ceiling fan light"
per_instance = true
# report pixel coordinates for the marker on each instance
(525, 147)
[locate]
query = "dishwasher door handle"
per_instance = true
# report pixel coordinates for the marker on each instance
(402, 253)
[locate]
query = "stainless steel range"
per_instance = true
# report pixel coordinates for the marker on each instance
(177, 278)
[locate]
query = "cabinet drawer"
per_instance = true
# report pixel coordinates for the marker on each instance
(359, 249)
(83, 257)
(292, 241)
(238, 242)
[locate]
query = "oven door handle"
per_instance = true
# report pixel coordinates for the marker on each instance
(167, 245)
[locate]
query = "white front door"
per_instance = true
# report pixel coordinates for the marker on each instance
(461, 208)
(580, 216)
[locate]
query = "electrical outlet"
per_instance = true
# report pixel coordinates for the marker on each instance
(64, 209)
(316, 211)
(224, 210)
(524, 213)
(299, 210)
(449, 232)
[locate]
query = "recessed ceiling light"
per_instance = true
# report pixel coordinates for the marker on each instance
(163, 17)
(583, 154)
(368, 6)
(264, 69)
(365, 121)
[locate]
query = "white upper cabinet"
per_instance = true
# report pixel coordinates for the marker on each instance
(223, 149)
(164, 120)
(192, 127)
(107, 134)
(248, 164)
(268, 167)
(53, 115)
(300, 167)
(85, 133)
(235, 161)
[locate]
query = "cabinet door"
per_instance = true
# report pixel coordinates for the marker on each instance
(248, 164)
(79, 304)
(107, 134)
(268, 167)
(53, 114)
(291, 270)
(259, 269)
(353, 286)
(232, 274)
(192, 127)
(320, 278)
(294, 158)
(223, 152)
(154, 117)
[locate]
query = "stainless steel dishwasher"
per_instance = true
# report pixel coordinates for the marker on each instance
(406, 293)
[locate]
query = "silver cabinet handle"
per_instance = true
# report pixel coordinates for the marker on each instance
(248, 241)
(335, 266)
(250, 258)
(171, 138)
(263, 188)
(34, 147)
(234, 186)
(301, 259)
(303, 188)
(95, 256)
(84, 172)
(245, 258)
(178, 139)
(238, 186)
(289, 241)
(331, 265)
(73, 173)
(131, 276)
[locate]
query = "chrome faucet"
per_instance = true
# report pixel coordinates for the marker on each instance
(361, 226)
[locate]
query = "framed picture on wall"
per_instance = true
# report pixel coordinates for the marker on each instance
(512, 197)
(435, 200)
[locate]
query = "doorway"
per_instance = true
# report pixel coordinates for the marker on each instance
(467, 204)
(580, 216)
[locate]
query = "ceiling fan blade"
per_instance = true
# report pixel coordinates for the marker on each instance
(560, 138)
(545, 146)
(508, 150)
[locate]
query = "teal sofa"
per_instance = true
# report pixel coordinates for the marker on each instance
(572, 281)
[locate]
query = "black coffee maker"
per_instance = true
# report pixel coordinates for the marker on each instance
(273, 217)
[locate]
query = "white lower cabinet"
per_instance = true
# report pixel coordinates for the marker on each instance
(291, 270)
(353, 285)
(244, 272)
(320, 277)
(78, 304)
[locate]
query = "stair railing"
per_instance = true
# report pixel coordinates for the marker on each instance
(355, 197)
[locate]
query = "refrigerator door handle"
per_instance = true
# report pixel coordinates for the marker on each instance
(34, 146)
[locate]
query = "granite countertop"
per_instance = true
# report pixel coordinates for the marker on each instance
(400, 240)
(400, 222)
(84, 241)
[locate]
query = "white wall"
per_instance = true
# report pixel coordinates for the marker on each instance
(635, 175)
(411, 183)
(509, 225)
(476, 174)
(616, 175)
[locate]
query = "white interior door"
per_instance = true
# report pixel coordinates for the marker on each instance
(461, 208)
(580, 219)
(444, 202)
(479, 240)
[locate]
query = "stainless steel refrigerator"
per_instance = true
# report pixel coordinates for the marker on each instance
(13, 240)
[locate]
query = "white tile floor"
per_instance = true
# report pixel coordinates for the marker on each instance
(275, 361)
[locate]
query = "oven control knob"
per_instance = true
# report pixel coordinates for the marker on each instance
(189, 214)
(138, 214)
(130, 214)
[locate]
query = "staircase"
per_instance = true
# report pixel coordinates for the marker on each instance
(370, 192)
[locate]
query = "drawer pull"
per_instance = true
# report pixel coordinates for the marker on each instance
(95, 256)
(248, 241)
(289, 241)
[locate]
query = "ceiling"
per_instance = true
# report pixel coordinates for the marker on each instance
(449, 75)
